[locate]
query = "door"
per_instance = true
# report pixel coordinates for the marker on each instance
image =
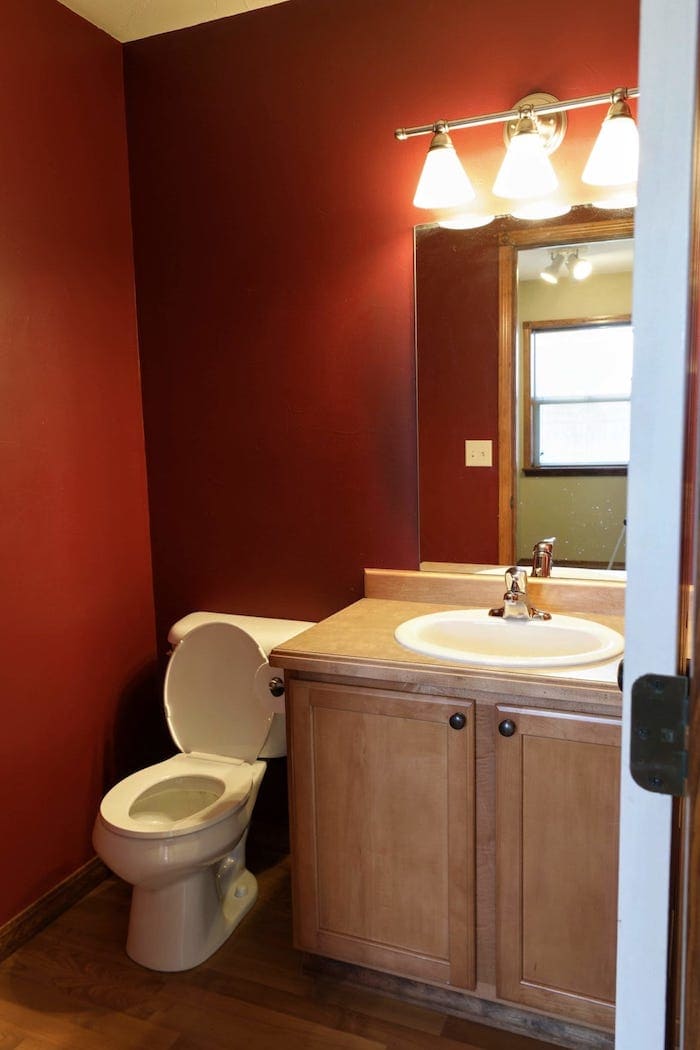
(662, 279)
(558, 777)
(383, 830)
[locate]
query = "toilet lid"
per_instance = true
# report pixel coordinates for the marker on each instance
(210, 699)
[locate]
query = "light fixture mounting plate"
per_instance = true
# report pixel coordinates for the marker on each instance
(551, 126)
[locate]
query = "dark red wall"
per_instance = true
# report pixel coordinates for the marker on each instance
(76, 615)
(272, 214)
(457, 327)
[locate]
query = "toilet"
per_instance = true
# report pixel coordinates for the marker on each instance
(177, 830)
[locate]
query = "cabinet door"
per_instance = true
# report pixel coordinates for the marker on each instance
(382, 796)
(556, 861)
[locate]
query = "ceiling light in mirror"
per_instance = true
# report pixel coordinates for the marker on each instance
(552, 273)
(579, 268)
(443, 182)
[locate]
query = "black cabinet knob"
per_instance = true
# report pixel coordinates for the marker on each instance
(506, 727)
(458, 720)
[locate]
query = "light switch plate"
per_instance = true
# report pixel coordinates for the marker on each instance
(478, 453)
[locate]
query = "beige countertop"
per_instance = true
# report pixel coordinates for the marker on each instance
(358, 642)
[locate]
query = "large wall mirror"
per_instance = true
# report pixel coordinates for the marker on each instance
(539, 369)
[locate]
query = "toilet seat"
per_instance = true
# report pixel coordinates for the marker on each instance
(184, 794)
(211, 703)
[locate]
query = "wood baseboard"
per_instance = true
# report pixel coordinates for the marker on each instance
(493, 1013)
(24, 926)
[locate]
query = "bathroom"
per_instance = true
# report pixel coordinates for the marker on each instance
(250, 446)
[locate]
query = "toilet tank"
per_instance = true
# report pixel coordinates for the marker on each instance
(267, 633)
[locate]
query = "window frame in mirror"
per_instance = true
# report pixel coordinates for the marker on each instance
(595, 228)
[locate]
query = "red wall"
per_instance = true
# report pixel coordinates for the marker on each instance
(272, 215)
(76, 616)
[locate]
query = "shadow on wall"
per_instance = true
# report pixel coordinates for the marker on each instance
(140, 734)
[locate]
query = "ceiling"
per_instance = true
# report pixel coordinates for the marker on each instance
(133, 19)
(607, 257)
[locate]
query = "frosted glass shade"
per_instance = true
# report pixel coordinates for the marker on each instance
(443, 182)
(526, 170)
(538, 209)
(615, 155)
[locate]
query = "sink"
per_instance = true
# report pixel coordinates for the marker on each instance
(471, 636)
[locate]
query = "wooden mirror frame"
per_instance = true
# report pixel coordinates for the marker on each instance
(598, 226)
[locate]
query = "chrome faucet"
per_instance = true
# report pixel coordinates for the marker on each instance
(515, 601)
(542, 557)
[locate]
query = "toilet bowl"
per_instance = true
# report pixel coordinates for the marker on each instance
(177, 830)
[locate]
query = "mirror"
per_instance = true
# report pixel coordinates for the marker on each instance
(474, 289)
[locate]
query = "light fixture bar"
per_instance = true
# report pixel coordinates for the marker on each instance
(513, 114)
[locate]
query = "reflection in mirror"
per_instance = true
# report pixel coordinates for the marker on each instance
(573, 381)
(488, 327)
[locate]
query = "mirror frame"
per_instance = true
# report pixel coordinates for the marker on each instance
(596, 226)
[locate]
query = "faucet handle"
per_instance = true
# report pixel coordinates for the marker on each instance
(542, 557)
(516, 580)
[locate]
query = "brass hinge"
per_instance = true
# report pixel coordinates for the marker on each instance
(658, 748)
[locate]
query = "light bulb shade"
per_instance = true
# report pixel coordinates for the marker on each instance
(615, 156)
(443, 182)
(581, 269)
(540, 209)
(552, 273)
(526, 170)
(626, 198)
(465, 221)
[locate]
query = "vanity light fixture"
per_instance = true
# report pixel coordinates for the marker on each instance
(534, 128)
(615, 155)
(443, 182)
(465, 221)
(526, 171)
(540, 209)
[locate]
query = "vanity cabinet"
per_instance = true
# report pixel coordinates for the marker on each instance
(557, 788)
(382, 793)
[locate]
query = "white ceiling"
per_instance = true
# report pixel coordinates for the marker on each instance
(606, 256)
(133, 19)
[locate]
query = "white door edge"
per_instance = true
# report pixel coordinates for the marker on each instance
(668, 58)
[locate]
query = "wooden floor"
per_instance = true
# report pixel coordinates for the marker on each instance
(73, 986)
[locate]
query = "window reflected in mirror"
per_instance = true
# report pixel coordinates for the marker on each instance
(573, 378)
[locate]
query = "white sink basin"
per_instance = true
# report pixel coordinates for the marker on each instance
(471, 636)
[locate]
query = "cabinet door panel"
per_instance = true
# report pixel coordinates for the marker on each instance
(557, 843)
(384, 870)
(382, 833)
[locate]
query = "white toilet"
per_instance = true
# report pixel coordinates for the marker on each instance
(177, 830)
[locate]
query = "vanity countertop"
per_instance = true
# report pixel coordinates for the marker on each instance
(358, 642)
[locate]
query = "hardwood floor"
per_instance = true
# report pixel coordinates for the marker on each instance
(73, 986)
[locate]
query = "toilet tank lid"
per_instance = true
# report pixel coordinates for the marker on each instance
(267, 632)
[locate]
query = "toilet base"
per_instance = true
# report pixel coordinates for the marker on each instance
(177, 926)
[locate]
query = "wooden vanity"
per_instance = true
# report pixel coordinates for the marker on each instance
(452, 827)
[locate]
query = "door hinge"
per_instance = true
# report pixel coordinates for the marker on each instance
(659, 748)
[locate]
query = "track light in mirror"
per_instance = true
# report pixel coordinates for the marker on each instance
(553, 272)
(615, 156)
(533, 129)
(443, 182)
(579, 267)
(567, 263)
